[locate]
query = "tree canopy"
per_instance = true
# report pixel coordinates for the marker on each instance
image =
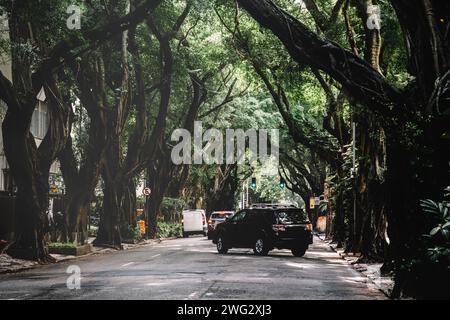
(359, 90)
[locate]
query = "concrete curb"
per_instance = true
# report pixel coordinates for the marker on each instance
(375, 281)
(99, 251)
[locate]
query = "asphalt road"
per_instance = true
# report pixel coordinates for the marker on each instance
(191, 269)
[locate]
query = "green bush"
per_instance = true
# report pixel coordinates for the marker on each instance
(93, 230)
(62, 245)
(171, 208)
(131, 233)
(438, 239)
(168, 230)
(429, 271)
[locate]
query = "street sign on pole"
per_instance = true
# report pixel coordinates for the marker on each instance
(316, 201)
(147, 191)
(312, 203)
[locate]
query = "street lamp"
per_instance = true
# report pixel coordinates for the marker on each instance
(253, 183)
(282, 183)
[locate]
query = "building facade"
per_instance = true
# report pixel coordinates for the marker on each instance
(39, 127)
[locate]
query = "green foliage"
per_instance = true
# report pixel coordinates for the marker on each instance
(447, 192)
(93, 230)
(171, 208)
(168, 230)
(2, 111)
(430, 269)
(62, 245)
(268, 185)
(439, 213)
(131, 233)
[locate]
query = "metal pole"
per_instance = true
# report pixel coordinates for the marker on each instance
(242, 197)
(354, 176)
(146, 205)
(354, 145)
(244, 193)
(248, 204)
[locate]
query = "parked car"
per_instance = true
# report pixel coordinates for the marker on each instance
(216, 218)
(265, 229)
(194, 222)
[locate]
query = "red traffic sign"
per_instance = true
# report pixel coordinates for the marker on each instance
(147, 191)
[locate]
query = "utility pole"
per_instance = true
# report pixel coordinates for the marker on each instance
(242, 196)
(354, 176)
(146, 205)
(246, 184)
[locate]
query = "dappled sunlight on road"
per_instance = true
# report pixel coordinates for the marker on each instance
(355, 279)
(192, 269)
(154, 284)
(300, 265)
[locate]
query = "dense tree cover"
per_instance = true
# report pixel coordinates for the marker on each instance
(404, 153)
(139, 69)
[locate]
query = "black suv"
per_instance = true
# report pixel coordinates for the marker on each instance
(264, 229)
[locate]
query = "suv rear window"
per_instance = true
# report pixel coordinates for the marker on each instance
(291, 216)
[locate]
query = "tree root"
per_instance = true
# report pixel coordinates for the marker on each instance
(47, 259)
(100, 244)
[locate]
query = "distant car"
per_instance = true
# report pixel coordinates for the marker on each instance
(216, 218)
(265, 229)
(194, 222)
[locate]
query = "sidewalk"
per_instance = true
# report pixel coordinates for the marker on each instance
(11, 265)
(370, 270)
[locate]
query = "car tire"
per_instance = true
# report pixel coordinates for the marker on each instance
(298, 252)
(221, 247)
(260, 247)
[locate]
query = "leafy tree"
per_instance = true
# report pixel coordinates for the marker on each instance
(419, 105)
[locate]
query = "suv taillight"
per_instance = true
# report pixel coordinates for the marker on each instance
(308, 227)
(278, 227)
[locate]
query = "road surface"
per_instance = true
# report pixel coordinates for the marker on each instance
(191, 269)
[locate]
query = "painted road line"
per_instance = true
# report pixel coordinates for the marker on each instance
(127, 264)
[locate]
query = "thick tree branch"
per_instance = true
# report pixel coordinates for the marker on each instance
(64, 49)
(372, 36)
(357, 76)
(349, 29)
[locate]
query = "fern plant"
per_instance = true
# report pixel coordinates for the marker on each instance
(439, 236)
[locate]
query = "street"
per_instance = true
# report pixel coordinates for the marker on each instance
(191, 269)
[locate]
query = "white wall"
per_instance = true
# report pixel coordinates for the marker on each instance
(40, 119)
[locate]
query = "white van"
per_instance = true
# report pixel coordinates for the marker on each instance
(194, 222)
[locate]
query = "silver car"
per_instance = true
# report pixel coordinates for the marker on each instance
(216, 218)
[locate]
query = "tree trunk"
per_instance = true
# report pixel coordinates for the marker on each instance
(109, 228)
(81, 182)
(130, 205)
(115, 184)
(31, 220)
(159, 175)
(153, 207)
(340, 206)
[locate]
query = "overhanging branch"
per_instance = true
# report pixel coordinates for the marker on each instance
(356, 75)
